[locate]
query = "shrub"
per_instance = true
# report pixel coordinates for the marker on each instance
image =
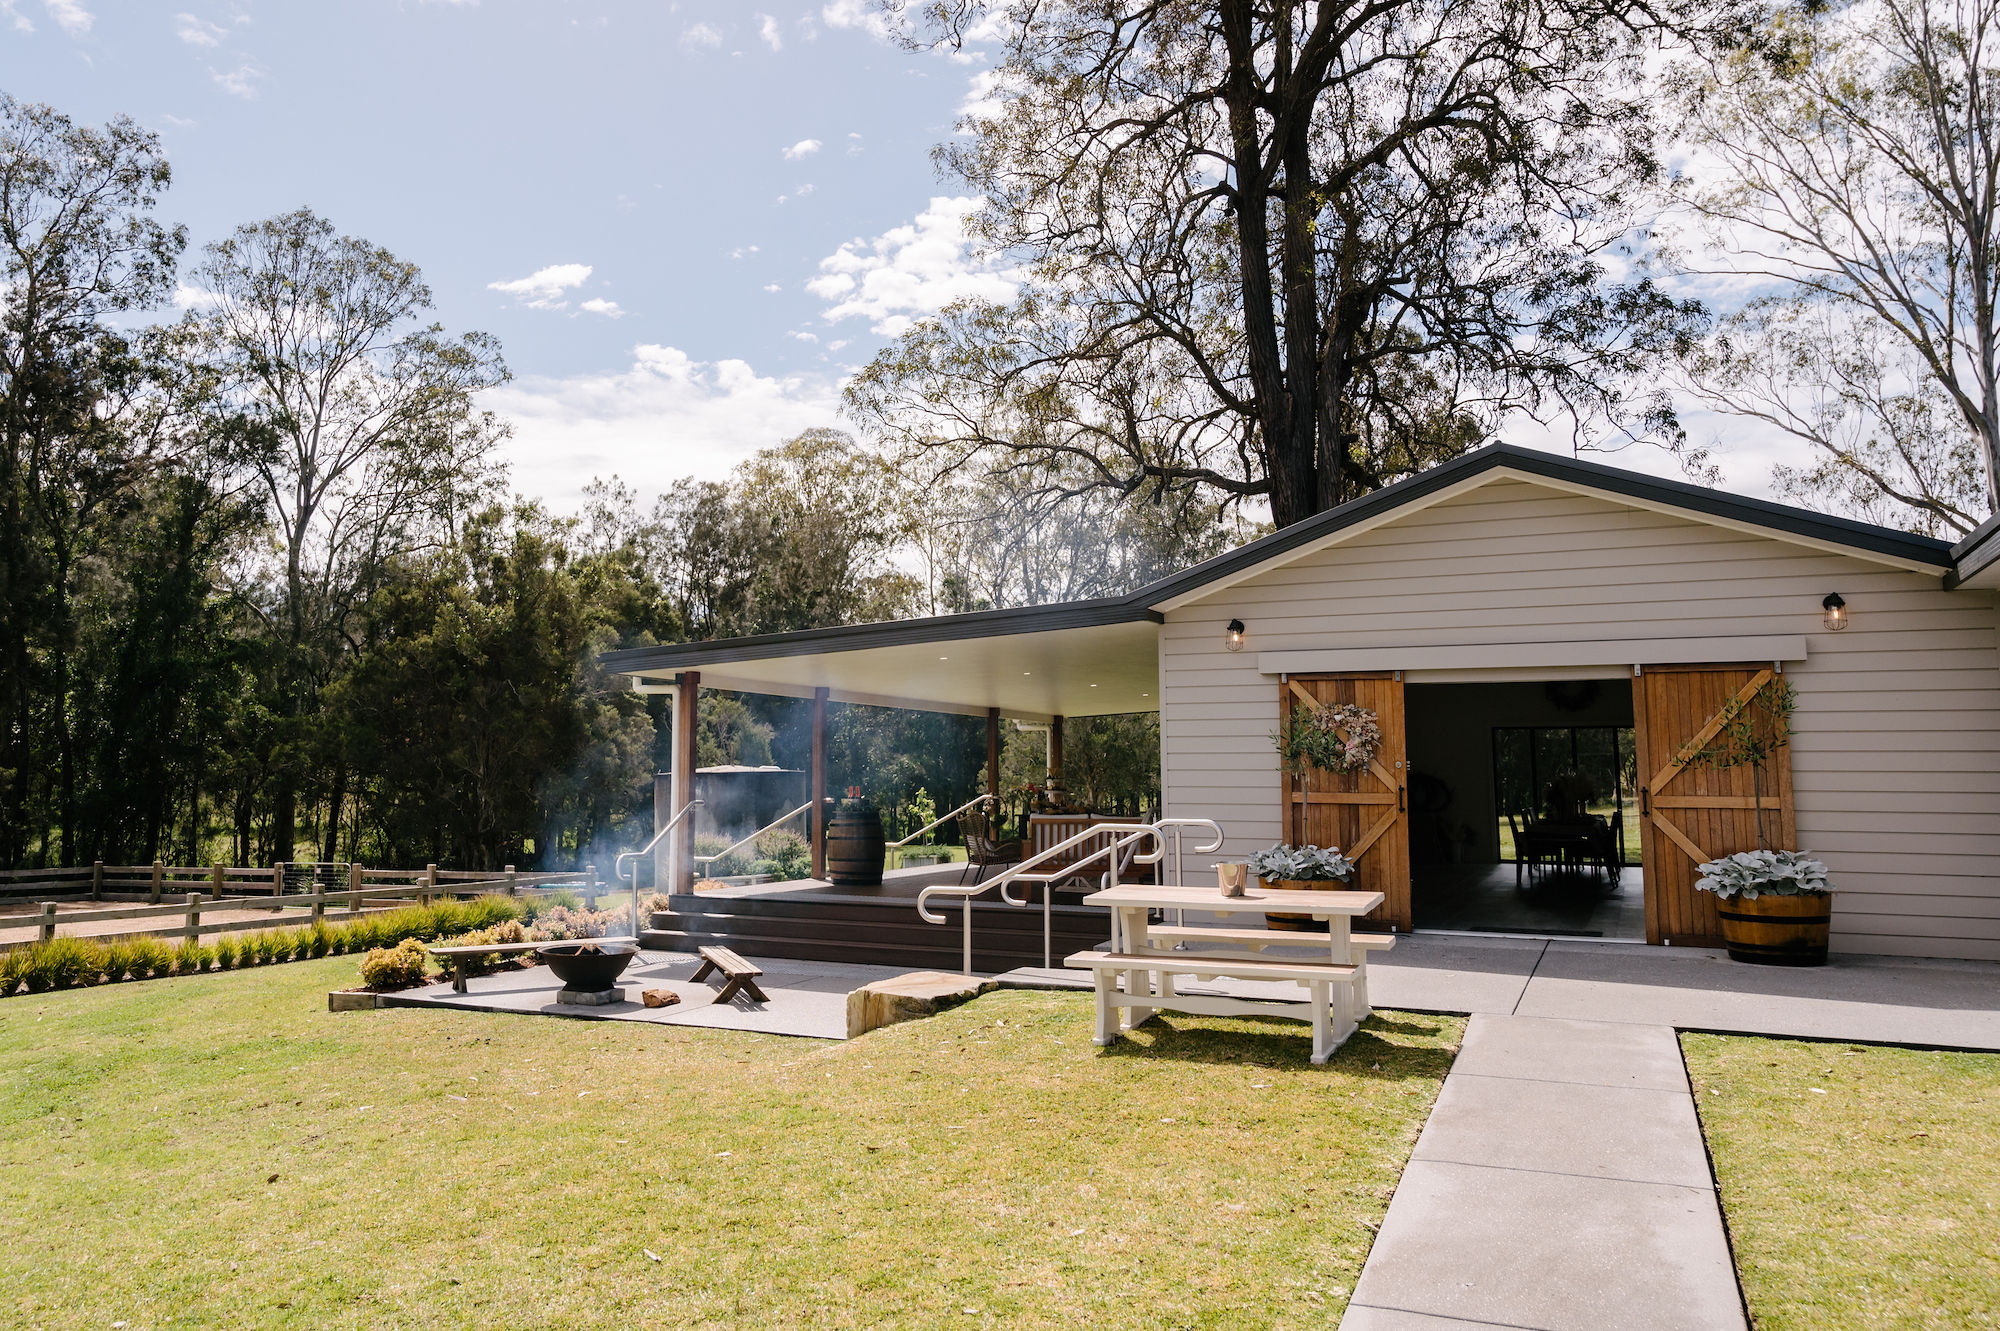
(227, 949)
(561, 923)
(63, 963)
(119, 959)
(784, 854)
(318, 940)
(532, 907)
(728, 865)
(150, 957)
(191, 958)
(507, 931)
(395, 967)
(365, 933)
(288, 944)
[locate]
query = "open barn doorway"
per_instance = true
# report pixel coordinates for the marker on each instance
(1524, 809)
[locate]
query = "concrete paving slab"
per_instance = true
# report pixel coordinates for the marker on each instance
(1612, 1132)
(1429, 974)
(807, 998)
(1359, 1318)
(1586, 1052)
(1894, 1000)
(1552, 1251)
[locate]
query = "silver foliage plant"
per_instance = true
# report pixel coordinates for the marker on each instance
(1764, 873)
(1301, 864)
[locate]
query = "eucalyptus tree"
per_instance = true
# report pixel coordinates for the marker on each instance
(1289, 249)
(1851, 169)
(373, 445)
(78, 246)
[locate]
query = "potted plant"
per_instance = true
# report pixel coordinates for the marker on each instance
(1301, 869)
(1776, 906)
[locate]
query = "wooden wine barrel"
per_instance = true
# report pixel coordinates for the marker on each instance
(1302, 924)
(854, 847)
(1777, 931)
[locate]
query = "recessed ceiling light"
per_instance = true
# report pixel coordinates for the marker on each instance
(944, 658)
(1145, 695)
(1027, 672)
(1093, 686)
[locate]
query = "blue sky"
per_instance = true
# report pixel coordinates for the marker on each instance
(704, 162)
(686, 222)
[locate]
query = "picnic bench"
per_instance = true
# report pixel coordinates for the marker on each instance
(1136, 975)
(459, 957)
(741, 975)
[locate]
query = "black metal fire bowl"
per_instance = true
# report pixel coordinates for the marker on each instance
(588, 965)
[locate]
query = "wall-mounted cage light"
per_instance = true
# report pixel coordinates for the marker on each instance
(1835, 617)
(1235, 639)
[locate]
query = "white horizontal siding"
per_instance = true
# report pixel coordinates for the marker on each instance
(1896, 751)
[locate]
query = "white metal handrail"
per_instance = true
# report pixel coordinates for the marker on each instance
(618, 865)
(1128, 834)
(776, 823)
(1176, 828)
(976, 799)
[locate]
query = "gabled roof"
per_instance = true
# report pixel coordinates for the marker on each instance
(896, 663)
(1976, 559)
(1712, 505)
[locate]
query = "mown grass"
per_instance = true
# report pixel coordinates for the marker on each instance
(1861, 1184)
(220, 1150)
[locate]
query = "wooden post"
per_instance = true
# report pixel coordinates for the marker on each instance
(215, 880)
(97, 880)
(48, 921)
(277, 882)
(590, 887)
(1055, 752)
(680, 875)
(353, 889)
(993, 764)
(153, 897)
(430, 883)
(319, 901)
(512, 889)
(819, 784)
(192, 929)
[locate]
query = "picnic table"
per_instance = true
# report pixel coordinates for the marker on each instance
(1147, 958)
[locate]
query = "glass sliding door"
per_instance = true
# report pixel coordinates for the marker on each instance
(1598, 762)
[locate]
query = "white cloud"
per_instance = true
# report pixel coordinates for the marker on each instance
(176, 121)
(598, 305)
(666, 417)
(767, 28)
(803, 190)
(803, 148)
(742, 250)
(193, 298)
(798, 335)
(543, 289)
(240, 81)
(197, 31)
(910, 271)
(701, 35)
(773, 287)
(853, 143)
(22, 23)
(861, 14)
(70, 16)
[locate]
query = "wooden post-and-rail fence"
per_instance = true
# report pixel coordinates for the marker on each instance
(359, 889)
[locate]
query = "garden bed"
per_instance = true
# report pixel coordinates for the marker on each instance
(989, 1159)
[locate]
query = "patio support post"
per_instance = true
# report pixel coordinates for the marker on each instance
(1055, 751)
(681, 873)
(819, 784)
(993, 762)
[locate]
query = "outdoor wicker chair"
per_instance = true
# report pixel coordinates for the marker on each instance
(983, 847)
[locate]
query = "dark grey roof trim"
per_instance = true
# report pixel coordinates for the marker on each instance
(894, 633)
(1612, 480)
(1975, 552)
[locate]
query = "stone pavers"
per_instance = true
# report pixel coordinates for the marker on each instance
(808, 998)
(1560, 1183)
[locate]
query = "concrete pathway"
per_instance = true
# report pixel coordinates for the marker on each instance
(1560, 1183)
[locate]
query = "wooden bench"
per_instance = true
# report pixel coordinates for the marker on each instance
(1204, 936)
(458, 956)
(1320, 978)
(742, 976)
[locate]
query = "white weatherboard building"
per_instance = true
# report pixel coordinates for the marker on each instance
(1510, 617)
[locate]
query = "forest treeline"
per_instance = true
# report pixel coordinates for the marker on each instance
(267, 595)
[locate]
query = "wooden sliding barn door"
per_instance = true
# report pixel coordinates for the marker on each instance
(1689, 814)
(1363, 813)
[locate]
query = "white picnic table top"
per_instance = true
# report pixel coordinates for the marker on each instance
(1255, 898)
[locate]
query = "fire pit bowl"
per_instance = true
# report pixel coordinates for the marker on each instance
(588, 965)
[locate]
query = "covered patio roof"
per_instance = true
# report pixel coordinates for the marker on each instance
(1084, 658)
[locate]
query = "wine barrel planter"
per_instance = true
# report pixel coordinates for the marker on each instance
(854, 847)
(1301, 924)
(1777, 931)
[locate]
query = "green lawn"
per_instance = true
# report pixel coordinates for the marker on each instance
(1861, 1184)
(220, 1150)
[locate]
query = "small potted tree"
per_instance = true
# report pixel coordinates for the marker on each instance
(1776, 906)
(1301, 869)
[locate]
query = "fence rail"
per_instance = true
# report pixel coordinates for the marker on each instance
(360, 895)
